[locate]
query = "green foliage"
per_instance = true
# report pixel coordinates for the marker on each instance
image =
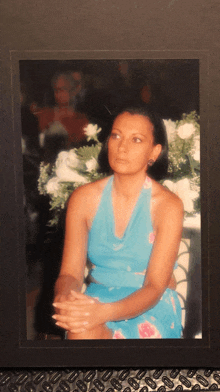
(86, 153)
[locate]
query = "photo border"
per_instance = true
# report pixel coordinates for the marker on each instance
(17, 352)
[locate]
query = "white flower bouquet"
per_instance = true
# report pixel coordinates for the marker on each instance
(79, 166)
(184, 161)
(72, 168)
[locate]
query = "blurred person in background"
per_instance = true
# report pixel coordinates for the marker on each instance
(61, 127)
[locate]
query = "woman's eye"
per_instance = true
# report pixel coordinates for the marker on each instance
(137, 140)
(114, 136)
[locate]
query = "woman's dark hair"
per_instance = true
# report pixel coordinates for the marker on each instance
(158, 170)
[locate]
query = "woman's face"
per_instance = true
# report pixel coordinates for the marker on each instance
(131, 144)
(62, 91)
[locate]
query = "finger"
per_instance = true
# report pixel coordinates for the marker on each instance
(69, 319)
(68, 304)
(63, 325)
(65, 308)
(74, 311)
(74, 328)
(82, 302)
(63, 305)
(78, 303)
(81, 296)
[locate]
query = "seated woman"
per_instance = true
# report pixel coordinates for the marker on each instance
(130, 226)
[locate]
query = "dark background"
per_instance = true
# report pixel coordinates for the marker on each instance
(174, 83)
(174, 29)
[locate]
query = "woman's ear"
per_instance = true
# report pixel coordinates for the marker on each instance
(156, 152)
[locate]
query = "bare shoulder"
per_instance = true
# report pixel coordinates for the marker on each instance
(87, 196)
(165, 203)
(89, 190)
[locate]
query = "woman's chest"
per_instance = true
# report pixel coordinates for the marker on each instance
(121, 217)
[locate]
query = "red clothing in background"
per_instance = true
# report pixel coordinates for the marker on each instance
(74, 123)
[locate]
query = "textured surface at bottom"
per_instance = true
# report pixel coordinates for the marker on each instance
(109, 380)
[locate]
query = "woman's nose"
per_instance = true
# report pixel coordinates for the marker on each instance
(123, 145)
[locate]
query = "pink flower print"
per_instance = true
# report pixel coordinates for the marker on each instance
(96, 299)
(172, 326)
(118, 335)
(147, 183)
(173, 304)
(148, 331)
(141, 273)
(151, 238)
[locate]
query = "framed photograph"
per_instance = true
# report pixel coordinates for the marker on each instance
(96, 83)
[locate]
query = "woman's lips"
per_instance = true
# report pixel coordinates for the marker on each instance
(121, 160)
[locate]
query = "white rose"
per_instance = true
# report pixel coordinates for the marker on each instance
(196, 149)
(72, 159)
(66, 174)
(91, 164)
(91, 131)
(52, 186)
(182, 189)
(186, 130)
(68, 158)
(61, 157)
(170, 129)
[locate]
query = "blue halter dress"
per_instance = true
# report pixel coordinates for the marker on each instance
(119, 266)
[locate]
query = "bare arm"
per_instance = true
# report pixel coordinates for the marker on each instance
(75, 248)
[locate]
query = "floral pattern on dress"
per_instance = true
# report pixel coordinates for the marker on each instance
(141, 273)
(96, 299)
(173, 304)
(151, 238)
(148, 331)
(118, 335)
(147, 183)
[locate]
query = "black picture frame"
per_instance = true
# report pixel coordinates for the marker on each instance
(14, 352)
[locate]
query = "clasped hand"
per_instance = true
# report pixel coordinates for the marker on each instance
(78, 312)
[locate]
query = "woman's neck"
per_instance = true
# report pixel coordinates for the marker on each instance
(128, 186)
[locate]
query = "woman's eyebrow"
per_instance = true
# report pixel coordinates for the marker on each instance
(138, 134)
(116, 129)
(135, 133)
